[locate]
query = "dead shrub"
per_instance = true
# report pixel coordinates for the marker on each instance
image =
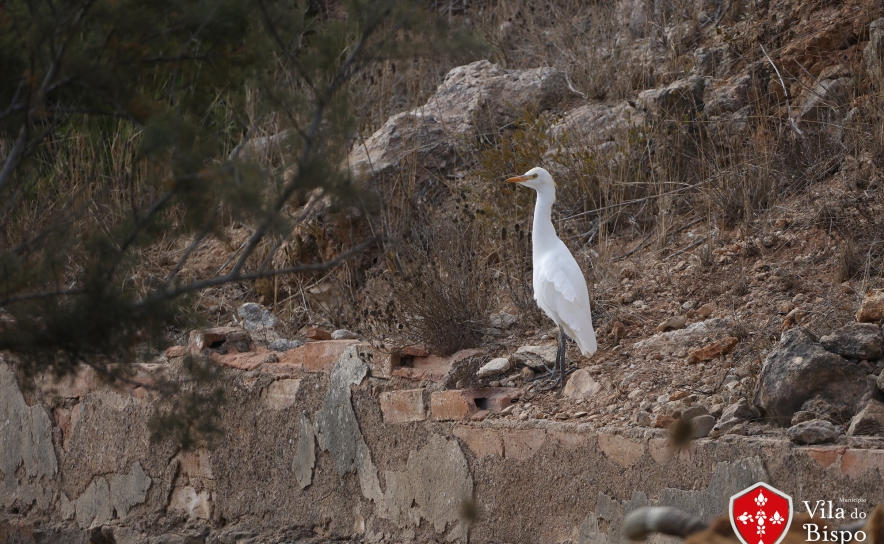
(441, 287)
(850, 262)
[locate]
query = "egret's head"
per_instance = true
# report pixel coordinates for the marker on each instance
(537, 178)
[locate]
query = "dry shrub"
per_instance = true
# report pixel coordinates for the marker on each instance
(442, 287)
(849, 261)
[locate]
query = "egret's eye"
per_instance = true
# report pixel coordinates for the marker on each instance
(535, 176)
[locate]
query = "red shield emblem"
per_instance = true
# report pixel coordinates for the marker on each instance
(761, 514)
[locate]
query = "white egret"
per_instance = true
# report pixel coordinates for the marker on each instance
(559, 286)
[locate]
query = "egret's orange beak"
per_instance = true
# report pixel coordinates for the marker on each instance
(519, 179)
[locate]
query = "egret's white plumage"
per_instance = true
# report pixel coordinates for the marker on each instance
(559, 286)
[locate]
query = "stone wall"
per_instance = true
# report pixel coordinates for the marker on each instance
(328, 449)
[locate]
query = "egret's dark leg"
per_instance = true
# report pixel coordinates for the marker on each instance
(556, 379)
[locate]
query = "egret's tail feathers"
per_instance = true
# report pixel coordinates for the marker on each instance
(586, 342)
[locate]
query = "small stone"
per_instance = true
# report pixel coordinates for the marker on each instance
(713, 350)
(643, 419)
(523, 416)
(872, 308)
(503, 320)
(494, 367)
(815, 431)
(284, 344)
(663, 421)
(689, 305)
(705, 310)
(581, 385)
(316, 333)
(694, 411)
(739, 429)
(527, 373)
(785, 307)
(510, 383)
(801, 416)
(618, 331)
(701, 426)
(678, 395)
(732, 416)
(256, 317)
(880, 381)
(799, 298)
(869, 421)
(270, 358)
(494, 383)
(344, 334)
(537, 357)
(508, 409)
(847, 289)
(673, 323)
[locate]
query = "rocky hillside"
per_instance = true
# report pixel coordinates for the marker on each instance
(724, 191)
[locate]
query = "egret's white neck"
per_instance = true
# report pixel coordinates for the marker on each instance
(543, 231)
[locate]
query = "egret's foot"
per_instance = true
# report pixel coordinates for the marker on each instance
(549, 372)
(552, 380)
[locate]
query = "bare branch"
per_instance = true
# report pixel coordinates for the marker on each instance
(231, 277)
(786, 91)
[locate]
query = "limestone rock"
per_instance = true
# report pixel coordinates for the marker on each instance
(815, 431)
(472, 99)
(869, 421)
(305, 458)
(686, 338)
(733, 415)
(880, 382)
(581, 385)
(731, 96)
(680, 98)
(344, 334)
(256, 317)
(701, 426)
(801, 416)
(596, 126)
(827, 101)
(25, 445)
(694, 411)
(799, 369)
(856, 341)
(494, 367)
(127, 490)
(537, 357)
(873, 54)
(713, 61)
(872, 308)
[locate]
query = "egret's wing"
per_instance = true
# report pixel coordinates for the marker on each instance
(562, 289)
(561, 292)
